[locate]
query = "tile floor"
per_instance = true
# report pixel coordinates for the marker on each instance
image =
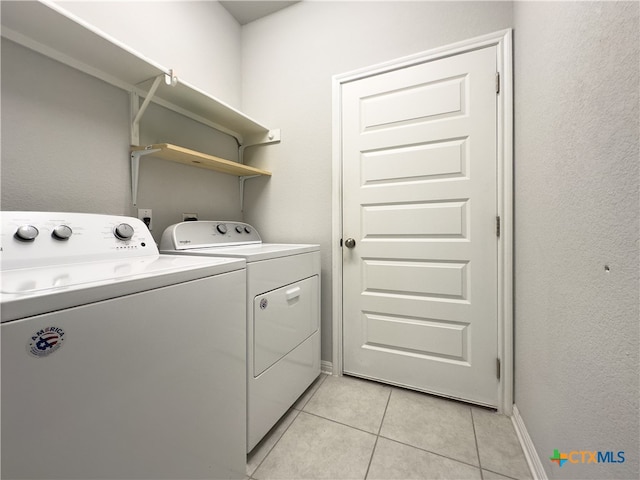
(347, 428)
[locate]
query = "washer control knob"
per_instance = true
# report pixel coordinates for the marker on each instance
(222, 228)
(26, 233)
(124, 231)
(62, 232)
(247, 230)
(239, 229)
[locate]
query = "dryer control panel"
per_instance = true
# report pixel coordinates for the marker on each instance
(203, 234)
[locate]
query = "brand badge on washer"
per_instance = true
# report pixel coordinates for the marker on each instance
(45, 341)
(264, 303)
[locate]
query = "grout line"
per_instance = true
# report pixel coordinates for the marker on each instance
(276, 442)
(501, 474)
(403, 443)
(385, 411)
(377, 435)
(430, 451)
(346, 424)
(375, 445)
(316, 388)
(323, 377)
(337, 422)
(475, 437)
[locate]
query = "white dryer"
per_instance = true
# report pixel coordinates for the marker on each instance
(283, 312)
(118, 362)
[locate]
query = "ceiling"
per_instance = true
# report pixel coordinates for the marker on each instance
(248, 11)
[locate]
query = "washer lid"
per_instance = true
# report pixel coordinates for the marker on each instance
(31, 291)
(251, 253)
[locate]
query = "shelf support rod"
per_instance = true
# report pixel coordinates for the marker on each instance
(135, 170)
(272, 136)
(145, 104)
(137, 111)
(242, 180)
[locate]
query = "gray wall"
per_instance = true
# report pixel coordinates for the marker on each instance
(65, 135)
(64, 138)
(576, 204)
(199, 39)
(289, 59)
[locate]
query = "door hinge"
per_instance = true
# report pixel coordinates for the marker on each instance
(498, 368)
(498, 226)
(498, 82)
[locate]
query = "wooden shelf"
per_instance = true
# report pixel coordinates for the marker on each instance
(47, 28)
(174, 153)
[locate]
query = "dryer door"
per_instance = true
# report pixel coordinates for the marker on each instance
(283, 319)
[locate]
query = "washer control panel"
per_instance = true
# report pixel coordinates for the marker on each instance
(203, 234)
(49, 238)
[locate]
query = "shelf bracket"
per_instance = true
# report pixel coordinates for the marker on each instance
(272, 136)
(137, 110)
(135, 170)
(242, 180)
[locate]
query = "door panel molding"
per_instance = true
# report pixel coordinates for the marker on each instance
(503, 42)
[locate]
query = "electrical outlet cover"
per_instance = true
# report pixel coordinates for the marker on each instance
(146, 213)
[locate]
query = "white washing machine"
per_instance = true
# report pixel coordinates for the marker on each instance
(283, 312)
(118, 362)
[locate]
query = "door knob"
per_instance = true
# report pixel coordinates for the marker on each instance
(350, 243)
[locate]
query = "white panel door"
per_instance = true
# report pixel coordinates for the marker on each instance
(420, 201)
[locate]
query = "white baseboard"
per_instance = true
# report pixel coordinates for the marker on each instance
(530, 453)
(326, 367)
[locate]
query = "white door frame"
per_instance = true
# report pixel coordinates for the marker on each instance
(503, 41)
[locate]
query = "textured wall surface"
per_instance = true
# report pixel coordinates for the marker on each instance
(200, 40)
(289, 59)
(64, 138)
(65, 135)
(576, 204)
